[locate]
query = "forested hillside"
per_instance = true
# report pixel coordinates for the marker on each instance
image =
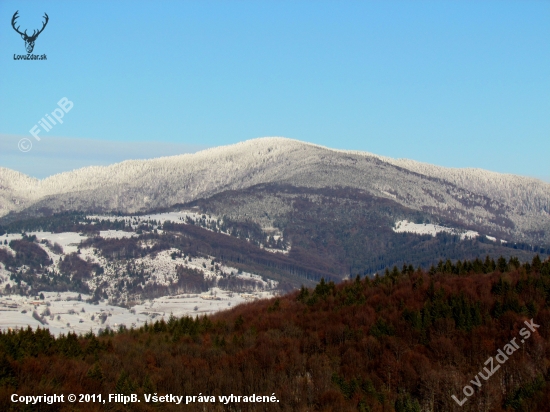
(518, 207)
(405, 342)
(354, 230)
(285, 234)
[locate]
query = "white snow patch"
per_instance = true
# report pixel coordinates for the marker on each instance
(271, 250)
(389, 194)
(431, 229)
(66, 313)
(69, 241)
(115, 234)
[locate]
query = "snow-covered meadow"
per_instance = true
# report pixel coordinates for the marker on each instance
(66, 312)
(431, 229)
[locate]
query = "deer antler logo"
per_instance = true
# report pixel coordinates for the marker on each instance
(29, 40)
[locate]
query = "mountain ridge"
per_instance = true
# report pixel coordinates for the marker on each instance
(519, 206)
(425, 168)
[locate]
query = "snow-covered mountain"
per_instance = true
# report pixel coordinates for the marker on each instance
(516, 207)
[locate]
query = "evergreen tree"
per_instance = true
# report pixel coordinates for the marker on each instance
(405, 403)
(536, 264)
(489, 266)
(95, 372)
(124, 384)
(148, 386)
(502, 267)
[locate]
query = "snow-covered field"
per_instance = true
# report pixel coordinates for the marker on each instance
(115, 234)
(159, 218)
(431, 229)
(64, 313)
(65, 239)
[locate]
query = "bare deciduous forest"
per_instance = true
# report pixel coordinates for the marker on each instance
(403, 342)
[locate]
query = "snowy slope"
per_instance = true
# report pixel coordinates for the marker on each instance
(517, 206)
(158, 269)
(16, 190)
(533, 195)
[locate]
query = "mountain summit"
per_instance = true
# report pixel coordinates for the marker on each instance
(513, 207)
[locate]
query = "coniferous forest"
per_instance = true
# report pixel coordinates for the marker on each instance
(406, 341)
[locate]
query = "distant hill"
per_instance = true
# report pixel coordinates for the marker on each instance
(512, 208)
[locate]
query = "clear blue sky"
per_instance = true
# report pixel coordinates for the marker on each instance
(454, 83)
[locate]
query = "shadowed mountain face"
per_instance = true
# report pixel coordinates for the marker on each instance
(509, 207)
(349, 231)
